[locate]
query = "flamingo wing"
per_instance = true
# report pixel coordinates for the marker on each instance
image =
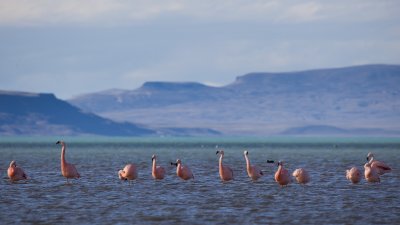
(71, 171)
(382, 167)
(188, 172)
(257, 171)
(230, 170)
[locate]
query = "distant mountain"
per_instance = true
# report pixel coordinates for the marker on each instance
(353, 99)
(331, 130)
(43, 114)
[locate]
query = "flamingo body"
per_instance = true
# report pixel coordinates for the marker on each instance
(371, 173)
(128, 173)
(225, 172)
(68, 170)
(183, 171)
(353, 175)
(253, 171)
(282, 176)
(157, 172)
(381, 167)
(15, 173)
(301, 176)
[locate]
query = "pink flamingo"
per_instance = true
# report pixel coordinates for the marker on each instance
(15, 173)
(68, 170)
(183, 171)
(253, 171)
(282, 175)
(128, 173)
(371, 173)
(225, 172)
(380, 166)
(157, 171)
(353, 175)
(301, 176)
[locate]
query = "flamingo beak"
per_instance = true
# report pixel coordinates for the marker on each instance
(270, 161)
(58, 142)
(367, 158)
(217, 152)
(174, 164)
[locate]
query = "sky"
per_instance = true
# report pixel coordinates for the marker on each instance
(76, 47)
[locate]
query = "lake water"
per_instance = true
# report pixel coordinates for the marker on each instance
(99, 197)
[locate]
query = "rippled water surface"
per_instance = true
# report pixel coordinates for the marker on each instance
(100, 198)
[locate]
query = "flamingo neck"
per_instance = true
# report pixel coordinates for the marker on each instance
(247, 161)
(63, 161)
(154, 165)
(280, 169)
(368, 170)
(220, 159)
(121, 174)
(371, 159)
(178, 168)
(11, 171)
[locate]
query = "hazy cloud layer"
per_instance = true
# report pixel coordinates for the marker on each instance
(74, 47)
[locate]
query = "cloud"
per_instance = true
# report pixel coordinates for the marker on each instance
(303, 12)
(115, 12)
(92, 12)
(87, 47)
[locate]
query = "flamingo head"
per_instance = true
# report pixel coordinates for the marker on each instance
(120, 172)
(60, 142)
(296, 173)
(153, 157)
(220, 152)
(174, 164)
(280, 163)
(246, 152)
(13, 164)
(369, 156)
(178, 161)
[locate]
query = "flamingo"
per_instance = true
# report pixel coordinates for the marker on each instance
(253, 171)
(67, 170)
(16, 173)
(128, 173)
(183, 171)
(380, 166)
(301, 175)
(157, 171)
(282, 175)
(225, 172)
(353, 175)
(371, 173)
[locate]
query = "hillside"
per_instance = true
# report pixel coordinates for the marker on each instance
(352, 99)
(43, 114)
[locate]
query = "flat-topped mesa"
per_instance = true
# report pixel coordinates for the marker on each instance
(25, 94)
(17, 102)
(367, 77)
(172, 86)
(44, 114)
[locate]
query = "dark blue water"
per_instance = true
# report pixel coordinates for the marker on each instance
(100, 198)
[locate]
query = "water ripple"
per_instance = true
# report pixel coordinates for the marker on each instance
(100, 198)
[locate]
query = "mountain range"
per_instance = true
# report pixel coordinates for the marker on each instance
(358, 100)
